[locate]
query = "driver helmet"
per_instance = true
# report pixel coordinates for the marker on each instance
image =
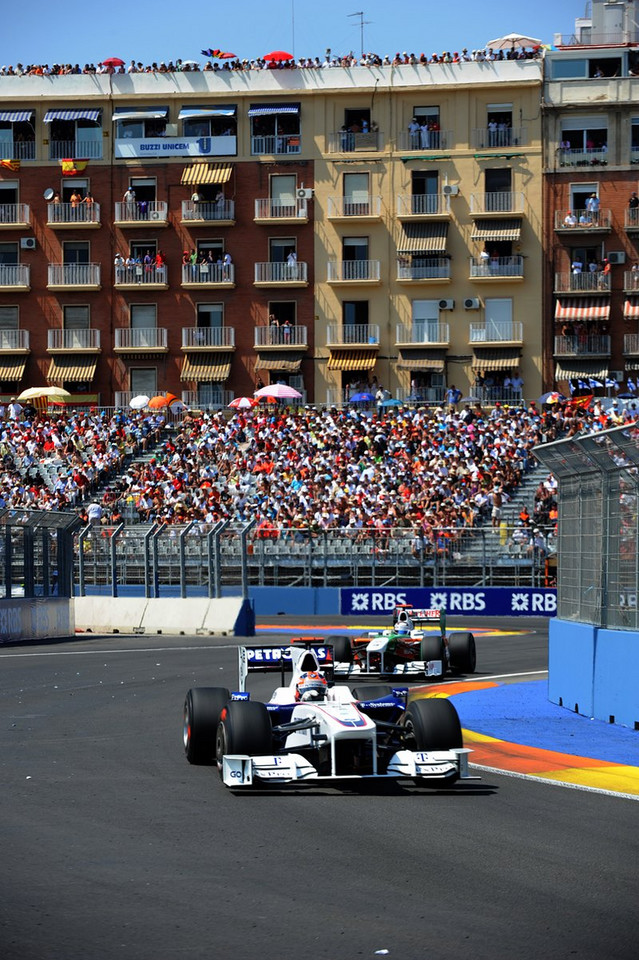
(311, 685)
(402, 628)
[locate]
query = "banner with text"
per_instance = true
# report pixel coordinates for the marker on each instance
(459, 601)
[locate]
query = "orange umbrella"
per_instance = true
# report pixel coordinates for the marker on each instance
(157, 403)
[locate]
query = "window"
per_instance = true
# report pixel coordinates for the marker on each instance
(283, 189)
(357, 119)
(499, 122)
(585, 134)
(145, 188)
(356, 194)
(280, 247)
(215, 246)
(17, 135)
(355, 312)
(587, 255)
(140, 248)
(9, 318)
(355, 248)
(634, 140)
(76, 251)
(9, 256)
(140, 124)
(283, 310)
(143, 316)
(8, 192)
(424, 183)
(76, 318)
(579, 194)
(498, 181)
(275, 128)
(202, 121)
(74, 134)
(425, 316)
(210, 315)
(73, 186)
(428, 136)
(143, 380)
(498, 318)
(564, 69)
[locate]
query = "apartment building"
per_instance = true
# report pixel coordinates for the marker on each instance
(326, 228)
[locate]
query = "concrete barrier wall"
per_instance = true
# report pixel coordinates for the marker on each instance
(229, 616)
(36, 619)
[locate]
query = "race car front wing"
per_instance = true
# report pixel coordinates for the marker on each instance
(411, 668)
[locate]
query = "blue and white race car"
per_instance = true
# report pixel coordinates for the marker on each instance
(314, 730)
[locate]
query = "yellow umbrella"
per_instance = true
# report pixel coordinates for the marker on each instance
(34, 393)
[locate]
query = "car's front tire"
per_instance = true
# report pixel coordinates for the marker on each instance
(342, 649)
(432, 724)
(202, 708)
(244, 728)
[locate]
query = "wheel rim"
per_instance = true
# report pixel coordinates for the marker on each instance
(186, 731)
(220, 746)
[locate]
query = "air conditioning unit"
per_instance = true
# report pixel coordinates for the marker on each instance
(303, 194)
(446, 304)
(617, 375)
(616, 256)
(450, 190)
(155, 215)
(27, 243)
(472, 303)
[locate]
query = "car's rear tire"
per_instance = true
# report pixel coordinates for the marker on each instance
(432, 724)
(244, 728)
(202, 708)
(372, 691)
(461, 649)
(432, 648)
(342, 649)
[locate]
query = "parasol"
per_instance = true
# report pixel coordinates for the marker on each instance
(113, 62)
(513, 40)
(34, 393)
(361, 398)
(280, 391)
(243, 403)
(279, 55)
(138, 403)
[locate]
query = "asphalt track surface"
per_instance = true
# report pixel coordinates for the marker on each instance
(114, 847)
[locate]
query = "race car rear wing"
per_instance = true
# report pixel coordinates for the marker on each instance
(304, 655)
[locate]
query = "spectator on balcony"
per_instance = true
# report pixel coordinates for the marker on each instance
(604, 275)
(129, 200)
(159, 263)
(274, 325)
(196, 198)
(227, 263)
(453, 395)
(291, 263)
(286, 331)
(119, 264)
(414, 134)
(577, 265)
(75, 200)
(592, 206)
(89, 202)
(219, 204)
(570, 220)
(516, 385)
(633, 202)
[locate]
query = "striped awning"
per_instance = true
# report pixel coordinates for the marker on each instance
(433, 361)
(588, 308)
(288, 362)
(631, 308)
(12, 368)
(15, 116)
(205, 367)
(498, 359)
(486, 230)
(199, 173)
(270, 109)
(140, 113)
(195, 113)
(352, 359)
(51, 115)
(72, 369)
(578, 369)
(423, 238)
(631, 366)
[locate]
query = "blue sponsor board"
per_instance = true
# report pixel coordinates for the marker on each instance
(458, 601)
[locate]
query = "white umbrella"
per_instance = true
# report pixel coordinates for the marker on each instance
(278, 390)
(138, 403)
(34, 393)
(513, 40)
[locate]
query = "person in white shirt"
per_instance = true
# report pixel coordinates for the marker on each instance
(14, 409)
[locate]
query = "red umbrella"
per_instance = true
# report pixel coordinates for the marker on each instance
(279, 55)
(243, 403)
(113, 62)
(227, 56)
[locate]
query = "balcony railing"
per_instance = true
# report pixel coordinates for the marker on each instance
(497, 203)
(582, 282)
(140, 275)
(141, 211)
(74, 275)
(282, 143)
(585, 220)
(141, 338)
(486, 269)
(292, 336)
(631, 218)
(203, 338)
(631, 344)
(267, 209)
(631, 281)
(353, 271)
(281, 272)
(346, 142)
(426, 140)
(14, 340)
(483, 138)
(75, 149)
(435, 268)
(218, 210)
(14, 213)
(72, 213)
(73, 340)
(14, 275)
(421, 205)
(208, 273)
(423, 331)
(366, 206)
(353, 334)
(208, 397)
(579, 346)
(18, 150)
(496, 331)
(588, 157)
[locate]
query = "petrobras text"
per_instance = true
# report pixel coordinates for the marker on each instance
(471, 601)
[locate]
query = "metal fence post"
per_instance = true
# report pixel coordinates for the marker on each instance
(182, 546)
(114, 561)
(147, 560)
(82, 583)
(244, 555)
(156, 573)
(213, 550)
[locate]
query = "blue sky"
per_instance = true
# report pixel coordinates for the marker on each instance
(38, 32)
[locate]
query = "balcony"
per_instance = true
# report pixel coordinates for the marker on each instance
(631, 344)
(18, 150)
(281, 275)
(201, 275)
(15, 277)
(501, 203)
(496, 332)
(270, 211)
(588, 157)
(631, 219)
(582, 283)
(578, 346)
(631, 281)
(354, 271)
(73, 276)
(14, 341)
(133, 213)
(428, 140)
(365, 208)
(282, 143)
(13, 215)
(497, 268)
(422, 206)
(73, 341)
(222, 212)
(352, 335)
(483, 138)
(207, 398)
(75, 149)
(583, 221)
(346, 142)
(132, 278)
(423, 333)
(281, 337)
(67, 216)
(141, 340)
(433, 268)
(208, 338)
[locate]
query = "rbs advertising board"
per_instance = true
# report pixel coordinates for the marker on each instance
(471, 601)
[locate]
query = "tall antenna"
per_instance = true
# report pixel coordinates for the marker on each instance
(293, 27)
(360, 14)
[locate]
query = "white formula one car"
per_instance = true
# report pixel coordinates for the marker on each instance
(312, 730)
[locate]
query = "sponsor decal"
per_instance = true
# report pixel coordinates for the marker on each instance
(482, 601)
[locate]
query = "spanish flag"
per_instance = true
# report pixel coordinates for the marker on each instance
(13, 165)
(71, 167)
